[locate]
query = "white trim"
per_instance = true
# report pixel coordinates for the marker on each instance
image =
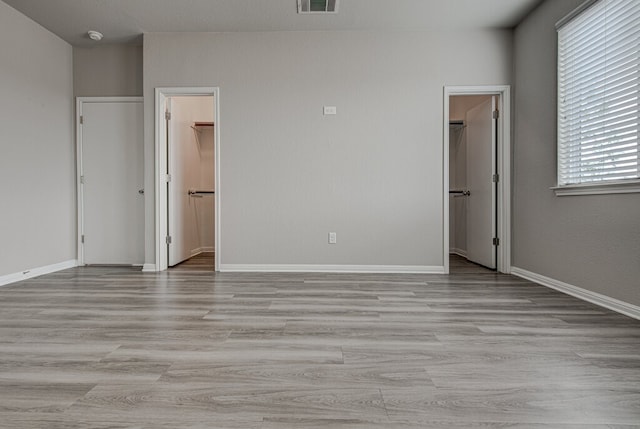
(445, 181)
(598, 188)
(146, 268)
(580, 293)
(80, 101)
(300, 268)
(503, 169)
(161, 94)
(79, 193)
(160, 160)
(458, 252)
(204, 249)
(35, 272)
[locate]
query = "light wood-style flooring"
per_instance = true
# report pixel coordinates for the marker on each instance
(201, 262)
(105, 347)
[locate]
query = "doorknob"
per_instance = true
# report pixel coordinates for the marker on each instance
(141, 191)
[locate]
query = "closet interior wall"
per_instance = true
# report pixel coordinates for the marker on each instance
(192, 168)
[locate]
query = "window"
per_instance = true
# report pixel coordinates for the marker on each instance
(598, 94)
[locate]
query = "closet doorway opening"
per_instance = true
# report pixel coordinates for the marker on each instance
(477, 174)
(187, 194)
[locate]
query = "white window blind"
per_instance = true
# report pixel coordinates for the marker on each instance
(598, 94)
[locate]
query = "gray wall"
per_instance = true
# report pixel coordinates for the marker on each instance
(107, 71)
(289, 175)
(592, 242)
(37, 165)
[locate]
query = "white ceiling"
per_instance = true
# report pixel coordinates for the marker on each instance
(123, 21)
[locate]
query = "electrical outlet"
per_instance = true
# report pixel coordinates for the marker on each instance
(332, 238)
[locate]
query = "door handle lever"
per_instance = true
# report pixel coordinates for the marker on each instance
(141, 191)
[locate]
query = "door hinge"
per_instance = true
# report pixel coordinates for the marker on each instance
(496, 241)
(81, 119)
(82, 180)
(82, 238)
(496, 178)
(167, 115)
(496, 114)
(168, 240)
(168, 178)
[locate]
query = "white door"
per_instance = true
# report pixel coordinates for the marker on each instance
(111, 148)
(481, 203)
(181, 169)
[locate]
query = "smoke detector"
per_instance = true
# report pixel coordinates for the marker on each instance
(94, 35)
(317, 6)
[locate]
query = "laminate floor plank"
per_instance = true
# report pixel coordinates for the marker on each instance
(204, 261)
(398, 424)
(112, 347)
(524, 405)
(200, 402)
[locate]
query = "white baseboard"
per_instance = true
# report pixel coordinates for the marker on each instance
(458, 252)
(148, 268)
(35, 272)
(299, 268)
(578, 292)
(203, 249)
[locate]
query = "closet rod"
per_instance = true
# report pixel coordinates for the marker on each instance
(193, 192)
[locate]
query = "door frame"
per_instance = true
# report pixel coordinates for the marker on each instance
(161, 229)
(503, 166)
(80, 101)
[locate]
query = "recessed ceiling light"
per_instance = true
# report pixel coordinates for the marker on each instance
(317, 6)
(94, 35)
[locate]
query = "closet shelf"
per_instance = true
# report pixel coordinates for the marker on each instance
(457, 125)
(198, 126)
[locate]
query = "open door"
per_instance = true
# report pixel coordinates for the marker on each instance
(481, 167)
(180, 171)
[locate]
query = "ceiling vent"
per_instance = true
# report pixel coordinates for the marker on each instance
(317, 6)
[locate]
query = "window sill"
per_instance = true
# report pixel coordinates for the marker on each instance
(624, 187)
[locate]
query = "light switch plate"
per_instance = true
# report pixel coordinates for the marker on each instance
(330, 110)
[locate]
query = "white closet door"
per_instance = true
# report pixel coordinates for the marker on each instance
(112, 170)
(481, 203)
